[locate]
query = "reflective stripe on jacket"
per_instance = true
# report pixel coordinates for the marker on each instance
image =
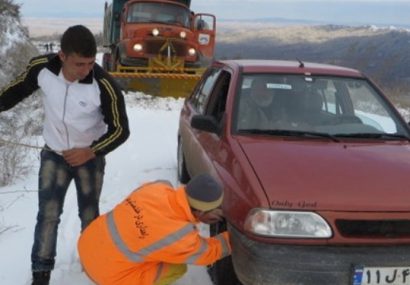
(152, 227)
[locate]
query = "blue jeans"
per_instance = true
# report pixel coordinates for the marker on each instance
(54, 178)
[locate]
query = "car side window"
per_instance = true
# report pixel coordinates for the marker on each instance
(202, 94)
(335, 97)
(331, 103)
(217, 102)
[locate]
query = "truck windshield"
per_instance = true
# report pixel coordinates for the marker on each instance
(159, 13)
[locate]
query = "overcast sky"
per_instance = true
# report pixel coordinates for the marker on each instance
(395, 12)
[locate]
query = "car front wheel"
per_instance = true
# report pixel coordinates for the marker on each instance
(222, 271)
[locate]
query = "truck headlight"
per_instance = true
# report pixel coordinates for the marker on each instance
(287, 224)
(155, 32)
(137, 47)
(191, 51)
(182, 34)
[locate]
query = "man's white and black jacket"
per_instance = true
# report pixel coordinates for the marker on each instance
(86, 113)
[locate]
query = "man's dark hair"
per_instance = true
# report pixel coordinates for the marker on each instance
(78, 39)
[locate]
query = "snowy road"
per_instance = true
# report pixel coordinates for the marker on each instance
(149, 154)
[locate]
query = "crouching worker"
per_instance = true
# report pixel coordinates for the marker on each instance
(151, 236)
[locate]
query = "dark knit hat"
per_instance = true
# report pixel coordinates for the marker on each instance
(204, 193)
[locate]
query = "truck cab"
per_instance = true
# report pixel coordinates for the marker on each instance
(143, 35)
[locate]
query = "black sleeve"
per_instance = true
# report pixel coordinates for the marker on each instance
(114, 112)
(22, 86)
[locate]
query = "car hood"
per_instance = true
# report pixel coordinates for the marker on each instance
(332, 176)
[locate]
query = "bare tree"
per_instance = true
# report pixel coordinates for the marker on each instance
(23, 121)
(8, 7)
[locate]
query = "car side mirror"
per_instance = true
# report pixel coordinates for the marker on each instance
(205, 123)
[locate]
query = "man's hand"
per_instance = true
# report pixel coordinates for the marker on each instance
(78, 156)
(211, 216)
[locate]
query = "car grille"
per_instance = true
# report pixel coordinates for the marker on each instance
(159, 46)
(375, 229)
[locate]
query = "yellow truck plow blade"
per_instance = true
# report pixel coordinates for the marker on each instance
(161, 82)
(158, 84)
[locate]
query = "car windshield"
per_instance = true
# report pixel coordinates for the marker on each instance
(314, 106)
(158, 13)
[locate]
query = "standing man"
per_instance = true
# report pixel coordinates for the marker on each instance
(84, 120)
(149, 237)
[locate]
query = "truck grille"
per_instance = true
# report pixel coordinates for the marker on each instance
(375, 229)
(159, 46)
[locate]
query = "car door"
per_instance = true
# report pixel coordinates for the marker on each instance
(209, 100)
(195, 105)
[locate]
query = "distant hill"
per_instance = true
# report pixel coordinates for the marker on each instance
(381, 53)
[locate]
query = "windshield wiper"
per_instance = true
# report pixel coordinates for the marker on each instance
(151, 21)
(383, 136)
(291, 133)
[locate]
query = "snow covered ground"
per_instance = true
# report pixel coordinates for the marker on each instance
(149, 154)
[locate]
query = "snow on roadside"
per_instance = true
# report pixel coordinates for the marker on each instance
(149, 154)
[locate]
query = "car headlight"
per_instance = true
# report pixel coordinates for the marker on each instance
(287, 224)
(191, 51)
(155, 32)
(182, 34)
(137, 47)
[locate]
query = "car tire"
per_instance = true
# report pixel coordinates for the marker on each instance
(222, 271)
(183, 175)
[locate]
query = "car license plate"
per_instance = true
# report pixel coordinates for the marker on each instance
(364, 275)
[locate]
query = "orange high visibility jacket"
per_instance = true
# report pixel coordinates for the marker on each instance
(152, 226)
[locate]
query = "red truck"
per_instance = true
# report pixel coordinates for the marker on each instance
(160, 47)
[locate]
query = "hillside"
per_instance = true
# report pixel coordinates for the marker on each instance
(15, 51)
(381, 53)
(15, 46)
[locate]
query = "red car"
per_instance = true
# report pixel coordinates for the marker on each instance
(315, 162)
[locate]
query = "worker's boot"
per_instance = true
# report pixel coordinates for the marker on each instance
(41, 278)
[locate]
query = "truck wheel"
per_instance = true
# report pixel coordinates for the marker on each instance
(114, 65)
(183, 175)
(106, 61)
(116, 61)
(222, 272)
